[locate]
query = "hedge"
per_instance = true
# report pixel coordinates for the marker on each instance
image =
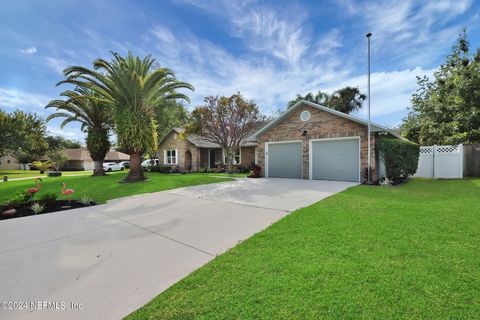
(400, 157)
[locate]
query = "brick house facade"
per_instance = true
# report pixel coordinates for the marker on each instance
(194, 153)
(323, 124)
(345, 137)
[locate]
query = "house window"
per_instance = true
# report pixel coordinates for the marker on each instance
(171, 156)
(236, 157)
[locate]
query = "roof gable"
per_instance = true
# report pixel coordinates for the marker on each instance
(373, 126)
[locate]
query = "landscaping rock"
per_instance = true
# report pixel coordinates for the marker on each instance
(9, 212)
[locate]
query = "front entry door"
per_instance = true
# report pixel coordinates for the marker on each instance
(212, 158)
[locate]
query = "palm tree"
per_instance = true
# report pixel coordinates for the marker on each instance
(132, 87)
(345, 100)
(85, 107)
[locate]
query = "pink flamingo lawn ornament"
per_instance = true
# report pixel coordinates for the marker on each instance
(32, 191)
(67, 192)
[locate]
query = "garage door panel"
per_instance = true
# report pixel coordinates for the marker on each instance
(335, 160)
(285, 160)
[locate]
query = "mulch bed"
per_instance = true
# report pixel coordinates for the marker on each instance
(9, 212)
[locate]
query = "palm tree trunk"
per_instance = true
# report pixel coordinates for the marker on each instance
(136, 173)
(98, 168)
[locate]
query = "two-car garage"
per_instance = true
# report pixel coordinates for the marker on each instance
(328, 159)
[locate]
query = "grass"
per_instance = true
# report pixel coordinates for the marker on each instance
(105, 188)
(410, 252)
(14, 174)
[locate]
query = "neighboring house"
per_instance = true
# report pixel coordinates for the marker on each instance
(308, 141)
(192, 152)
(79, 159)
(9, 162)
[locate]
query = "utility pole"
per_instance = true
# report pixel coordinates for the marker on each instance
(369, 99)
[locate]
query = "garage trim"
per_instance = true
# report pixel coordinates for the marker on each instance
(310, 153)
(279, 142)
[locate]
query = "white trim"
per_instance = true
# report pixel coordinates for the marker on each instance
(310, 154)
(165, 158)
(256, 155)
(281, 142)
(375, 127)
(239, 157)
(308, 115)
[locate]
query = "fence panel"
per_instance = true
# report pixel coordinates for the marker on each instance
(425, 163)
(445, 162)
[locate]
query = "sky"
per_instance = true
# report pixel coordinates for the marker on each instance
(267, 50)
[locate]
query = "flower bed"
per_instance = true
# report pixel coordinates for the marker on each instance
(15, 211)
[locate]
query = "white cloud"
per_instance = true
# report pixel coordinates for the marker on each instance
(410, 31)
(71, 133)
(286, 57)
(13, 98)
(390, 92)
(30, 50)
(56, 64)
(212, 70)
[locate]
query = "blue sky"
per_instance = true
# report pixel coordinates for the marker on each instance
(268, 50)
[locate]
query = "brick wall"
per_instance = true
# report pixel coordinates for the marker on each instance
(173, 141)
(320, 125)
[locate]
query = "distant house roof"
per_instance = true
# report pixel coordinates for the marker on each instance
(201, 142)
(83, 154)
(373, 126)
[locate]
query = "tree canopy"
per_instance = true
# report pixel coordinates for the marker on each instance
(345, 100)
(226, 121)
(446, 109)
(94, 115)
(132, 87)
(23, 135)
(59, 142)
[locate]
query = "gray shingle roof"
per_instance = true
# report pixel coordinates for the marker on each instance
(200, 142)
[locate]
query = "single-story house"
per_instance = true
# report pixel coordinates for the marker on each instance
(307, 141)
(192, 152)
(9, 162)
(79, 159)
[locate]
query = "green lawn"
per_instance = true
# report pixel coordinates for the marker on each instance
(14, 174)
(411, 252)
(108, 187)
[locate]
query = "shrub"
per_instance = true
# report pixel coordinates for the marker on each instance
(20, 199)
(242, 169)
(48, 199)
(400, 157)
(372, 175)
(160, 168)
(86, 200)
(37, 208)
(255, 171)
(42, 165)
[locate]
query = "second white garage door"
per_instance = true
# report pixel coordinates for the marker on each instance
(335, 159)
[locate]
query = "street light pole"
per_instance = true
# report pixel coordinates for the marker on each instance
(368, 138)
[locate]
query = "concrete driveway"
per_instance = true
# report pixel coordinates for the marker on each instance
(106, 261)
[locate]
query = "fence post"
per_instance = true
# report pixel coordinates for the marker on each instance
(460, 149)
(434, 160)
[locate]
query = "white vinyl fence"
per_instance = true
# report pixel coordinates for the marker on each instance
(444, 162)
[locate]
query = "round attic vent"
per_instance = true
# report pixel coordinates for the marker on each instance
(305, 116)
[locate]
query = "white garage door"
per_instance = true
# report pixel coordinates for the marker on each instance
(335, 159)
(284, 160)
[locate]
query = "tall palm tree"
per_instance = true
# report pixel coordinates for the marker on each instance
(133, 87)
(83, 106)
(345, 100)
